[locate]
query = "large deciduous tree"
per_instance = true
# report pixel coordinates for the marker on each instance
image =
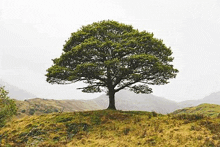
(111, 56)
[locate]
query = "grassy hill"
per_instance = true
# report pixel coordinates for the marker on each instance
(112, 128)
(41, 106)
(211, 110)
(125, 100)
(129, 101)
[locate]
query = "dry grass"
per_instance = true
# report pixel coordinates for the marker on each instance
(112, 128)
(39, 106)
(211, 110)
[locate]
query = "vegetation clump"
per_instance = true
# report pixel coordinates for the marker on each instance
(8, 107)
(210, 110)
(189, 117)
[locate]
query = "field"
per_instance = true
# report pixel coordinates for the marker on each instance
(112, 128)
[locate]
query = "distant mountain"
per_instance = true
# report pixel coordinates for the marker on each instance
(213, 98)
(127, 100)
(124, 100)
(15, 92)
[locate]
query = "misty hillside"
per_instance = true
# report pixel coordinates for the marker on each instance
(40, 106)
(15, 92)
(124, 99)
(213, 98)
(127, 100)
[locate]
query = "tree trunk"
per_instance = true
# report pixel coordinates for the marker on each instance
(111, 100)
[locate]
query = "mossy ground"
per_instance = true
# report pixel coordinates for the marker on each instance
(112, 128)
(211, 110)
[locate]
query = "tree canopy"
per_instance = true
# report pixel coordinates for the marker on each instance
(7, 107)
(111, 56)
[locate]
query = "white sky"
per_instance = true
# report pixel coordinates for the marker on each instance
(32, 32)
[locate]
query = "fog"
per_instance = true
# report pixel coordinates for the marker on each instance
(34, 32)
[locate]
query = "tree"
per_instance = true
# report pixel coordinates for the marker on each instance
(111, 56)
(8, 107)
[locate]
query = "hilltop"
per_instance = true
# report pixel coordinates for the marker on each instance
(213, 98)
(211, 110)
(112, 128)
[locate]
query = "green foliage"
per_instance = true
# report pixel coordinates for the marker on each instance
(7, 107)
(110, 56)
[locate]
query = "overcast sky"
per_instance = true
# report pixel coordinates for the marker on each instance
(32, 32)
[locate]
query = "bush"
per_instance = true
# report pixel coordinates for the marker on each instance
(31, 111)
(189, 117)
(7, 107)
(23, 111)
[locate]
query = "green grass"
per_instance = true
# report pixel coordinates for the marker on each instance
(211, 110)
(112, 128)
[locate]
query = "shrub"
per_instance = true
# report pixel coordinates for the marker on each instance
(7, 107)
(23, 111)
(126, 131)
(154, 114)
(189, 117)
(31, 111)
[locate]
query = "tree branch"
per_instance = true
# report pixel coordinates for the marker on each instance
(126, 85)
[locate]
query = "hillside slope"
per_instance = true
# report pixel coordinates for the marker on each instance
(15, 92)
(211, 110)
(213, 98)
(40, 106)
(111, 128)
(127, 100)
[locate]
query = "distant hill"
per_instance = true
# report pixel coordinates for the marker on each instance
(211, 110)
(127, 100)
(40, 106)
(15, 92)
(213, 98)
